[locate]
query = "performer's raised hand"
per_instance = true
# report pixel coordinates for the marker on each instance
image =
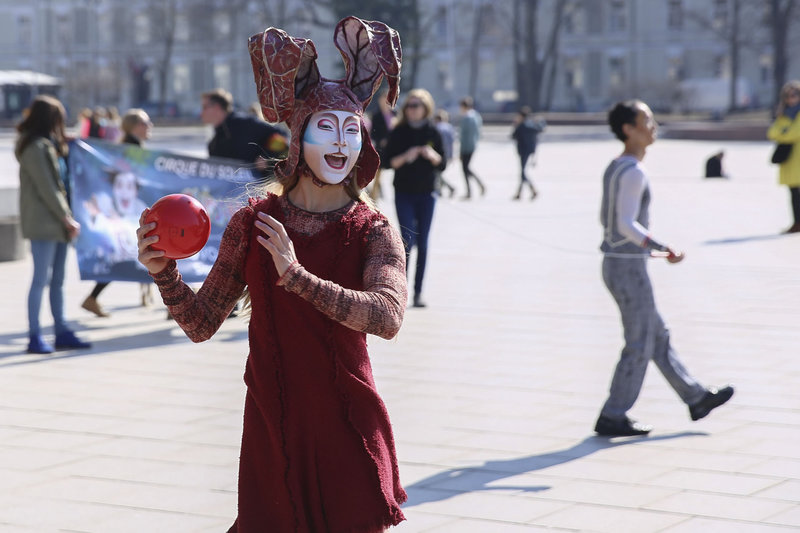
(276, 241)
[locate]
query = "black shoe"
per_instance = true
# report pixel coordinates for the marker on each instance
(419, 302)
(713, 398)
(608, 427)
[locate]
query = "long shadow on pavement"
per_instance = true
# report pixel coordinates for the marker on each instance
(736, 240)
(158, 337)
(150, 339)
(453, 482)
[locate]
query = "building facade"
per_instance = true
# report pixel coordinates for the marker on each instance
(675, 54)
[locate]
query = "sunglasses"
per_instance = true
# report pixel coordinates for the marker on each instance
(413, 104)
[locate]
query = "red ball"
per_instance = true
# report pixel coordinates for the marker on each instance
(182, 225)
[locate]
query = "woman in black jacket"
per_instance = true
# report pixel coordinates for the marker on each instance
(416, 154)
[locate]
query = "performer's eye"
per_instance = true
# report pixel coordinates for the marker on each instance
(352, 129)
(325, 124)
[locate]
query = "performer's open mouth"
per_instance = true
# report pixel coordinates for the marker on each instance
(336, 161)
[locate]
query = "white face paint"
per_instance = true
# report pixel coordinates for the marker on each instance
(331, 144)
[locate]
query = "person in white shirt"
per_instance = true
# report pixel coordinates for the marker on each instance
(627, 244)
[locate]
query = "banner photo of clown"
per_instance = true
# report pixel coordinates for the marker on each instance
(111, 184)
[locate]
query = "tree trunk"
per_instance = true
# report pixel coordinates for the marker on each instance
(168, 24)
(780, 14)
(733, 36)
(519, 77)
(551, 57)
(475, 49)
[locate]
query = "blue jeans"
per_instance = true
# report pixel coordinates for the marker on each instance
(49, 263)
(646, 339)
(415, 214)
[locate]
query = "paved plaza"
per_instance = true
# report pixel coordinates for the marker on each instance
(493, 390)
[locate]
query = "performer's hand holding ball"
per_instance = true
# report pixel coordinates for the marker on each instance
(177, 226)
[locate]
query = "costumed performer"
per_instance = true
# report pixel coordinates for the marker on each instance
(322, 268)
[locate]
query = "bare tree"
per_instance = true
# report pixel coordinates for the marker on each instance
(728, 28)
(781, 14)
(163, 16)
(475, 47)
(535, 64)
(405, 16)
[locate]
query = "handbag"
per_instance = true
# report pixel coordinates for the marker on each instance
(781, 153)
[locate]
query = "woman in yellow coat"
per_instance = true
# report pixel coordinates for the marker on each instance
(786, 130)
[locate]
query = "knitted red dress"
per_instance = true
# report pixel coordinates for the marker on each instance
(317, 447)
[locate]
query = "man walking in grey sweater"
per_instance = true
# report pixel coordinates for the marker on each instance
(627, 244)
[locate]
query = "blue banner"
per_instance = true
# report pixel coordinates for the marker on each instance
(111, 184)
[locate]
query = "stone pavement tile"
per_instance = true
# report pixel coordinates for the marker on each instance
(790, 518)
(134, 495)
(602, 493)
(213, 436)
(708, 525)
(768, 416)
(484, 506)
(786, 490)
(11, 480)
(149, 471)
(46, 439)
(505, 442)
(186, 414)
(27, 459)
(130, 447)
(596, 469)
(51, 515)
(139, 520)
(202, 454)
(778, 467)
(773, 448)
(428, 454)
(776, 431)
(585, 517)
(484, 526)
(688, 458)
(417, 522)
(719, 506)
(716, 482)
(10, 528)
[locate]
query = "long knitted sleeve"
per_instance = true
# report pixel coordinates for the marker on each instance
(200, 315)
(379, 308)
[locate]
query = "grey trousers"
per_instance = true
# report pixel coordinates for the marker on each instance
(646, 338)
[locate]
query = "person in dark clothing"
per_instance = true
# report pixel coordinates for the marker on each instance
(96, 123)
(416, 153)
(240, 136)
(136, 128)
(714, 166)
(382, 123)
(526, 133)
(243, 137)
